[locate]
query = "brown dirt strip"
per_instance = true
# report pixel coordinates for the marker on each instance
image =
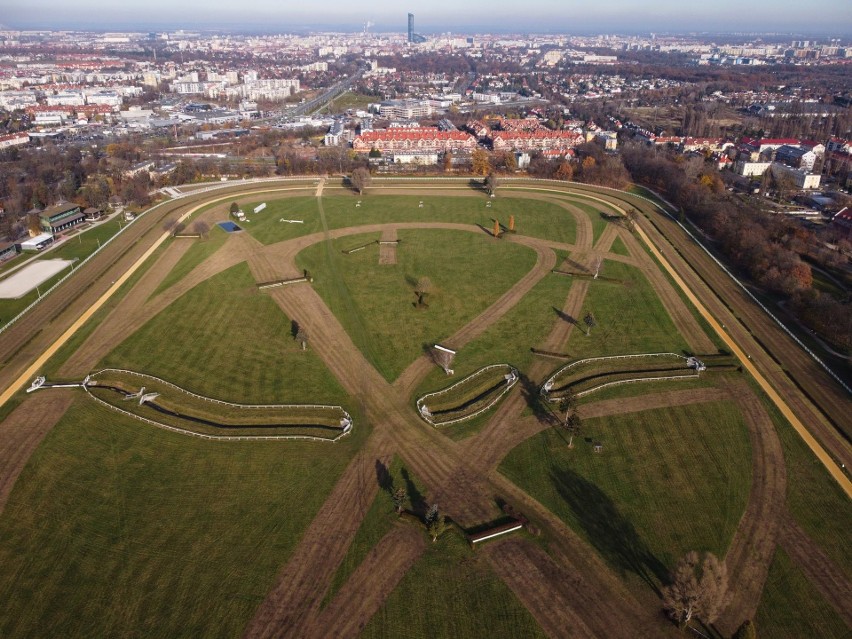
(387, 252)
(99, 344)
(24, 429)
(820, 570)
(543, 587)
(604, 243)
(370, 585)
(677, 309)
(307, 575)
(427, 453)
(751, 551)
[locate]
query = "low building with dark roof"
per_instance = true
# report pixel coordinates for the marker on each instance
(61, 217)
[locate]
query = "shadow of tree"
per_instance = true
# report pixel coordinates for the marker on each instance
(383, 477)
(418, 501)
(564, 316)
(607, 529)
(536, 403)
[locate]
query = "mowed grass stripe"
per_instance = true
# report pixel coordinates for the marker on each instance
(119, 529)
(792, 608)
(630, 317)
(226, 340)
(375, 304)
(668, 481)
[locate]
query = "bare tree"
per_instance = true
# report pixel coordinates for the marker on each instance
(234, 208)
(590, 322)
(491, 183)
(571, 422)
(698, 589)
(302, 337)
(422, 289)
(360, 179)
(399, 497)
(169, 224)
(596, 266)
(201, 227)
(630, 219)
(436, 523)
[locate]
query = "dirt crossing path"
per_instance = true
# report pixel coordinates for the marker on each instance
(22, 432)
(524, 567)
(751, 551)
(370, 585)
(302, 583)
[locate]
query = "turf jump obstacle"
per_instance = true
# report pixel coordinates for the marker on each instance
(475, 402)
(194, 412)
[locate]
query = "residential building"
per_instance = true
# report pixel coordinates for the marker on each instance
(413, 139)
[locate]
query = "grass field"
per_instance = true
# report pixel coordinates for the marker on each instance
(235, 344)
(199, 251)
(618, 247)
(630, 317)
(532, 218)
(375, 303)
(814, 499)
(118, 529)
(267, 227)
(452, 592)
(668, 481)
(792, 608)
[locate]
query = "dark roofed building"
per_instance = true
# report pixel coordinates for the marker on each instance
(60, 217)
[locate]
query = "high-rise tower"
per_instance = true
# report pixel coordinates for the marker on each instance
(410, 27)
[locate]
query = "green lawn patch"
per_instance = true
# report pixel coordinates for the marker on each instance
(792, 608)
(118, 529)
(378, 521)
(234, 344)
(668, 481)
(618, 247)
(83, 244)
(630, 317)
(267, 227)
(814, 499)
(200, 250)
(376, 304)
(532, 217)
(452, 592)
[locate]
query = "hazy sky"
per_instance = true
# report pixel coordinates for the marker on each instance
(801, 16)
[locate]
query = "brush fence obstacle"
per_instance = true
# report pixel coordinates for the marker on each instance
(510, 378)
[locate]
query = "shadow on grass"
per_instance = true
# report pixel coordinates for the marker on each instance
(564, 316)
(418, 501)
(383, 477)
(536, 403)
(607, 529)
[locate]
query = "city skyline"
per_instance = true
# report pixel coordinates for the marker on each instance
(541, 16)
